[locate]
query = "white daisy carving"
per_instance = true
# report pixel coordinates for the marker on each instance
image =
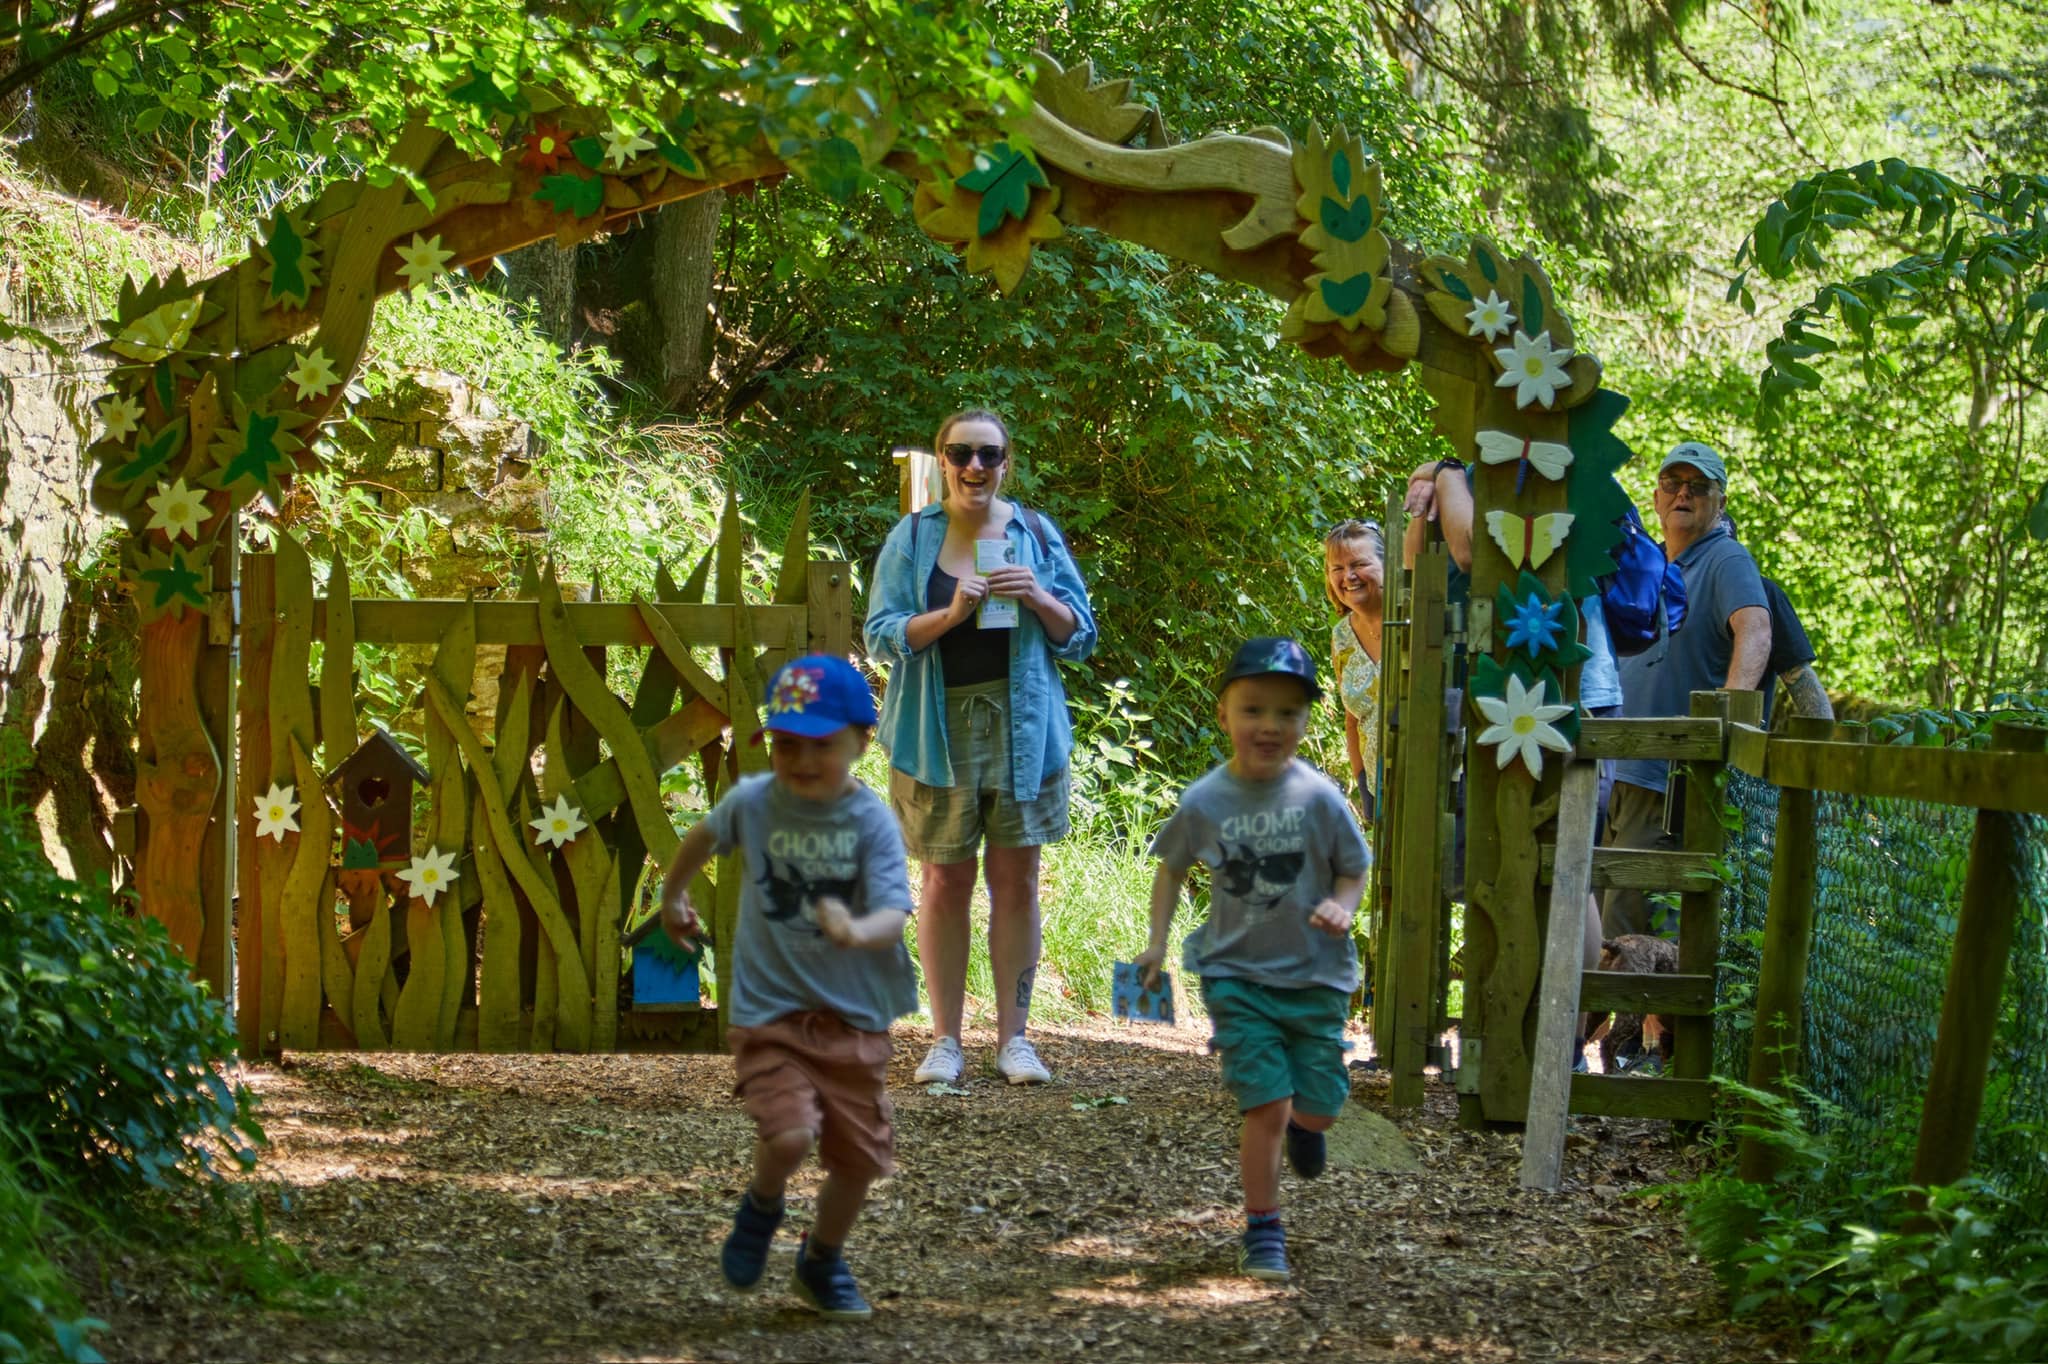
(276, 813)
(558, 823)
(314, 373)
(619, 148)
(121, 415)
(1489, 318)
(1522, 725)
(430, 874)
(425, 261)
(178, 510)
(1534, 369)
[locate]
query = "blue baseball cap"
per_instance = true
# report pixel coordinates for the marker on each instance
(817, 695)
(1272, 654)
(1700, 456)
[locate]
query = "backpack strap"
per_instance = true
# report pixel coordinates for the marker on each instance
(1035, 524)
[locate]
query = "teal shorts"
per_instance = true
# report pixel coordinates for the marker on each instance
(1280, 1043)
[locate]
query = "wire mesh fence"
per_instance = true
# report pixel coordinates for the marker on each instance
(1889, 890)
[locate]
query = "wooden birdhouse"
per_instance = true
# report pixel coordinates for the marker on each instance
(376, 786)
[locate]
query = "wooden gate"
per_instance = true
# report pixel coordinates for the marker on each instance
(485, 899)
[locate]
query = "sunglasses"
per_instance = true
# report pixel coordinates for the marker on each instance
(960, 456)
(1673, 485)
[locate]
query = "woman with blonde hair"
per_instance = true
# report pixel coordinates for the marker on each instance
(975, 602)
(1354, 577)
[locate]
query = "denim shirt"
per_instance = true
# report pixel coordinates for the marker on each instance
(913, 718)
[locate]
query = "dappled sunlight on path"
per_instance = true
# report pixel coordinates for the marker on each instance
(528, 1208)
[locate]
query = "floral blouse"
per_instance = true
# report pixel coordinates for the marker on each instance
(1358, 687)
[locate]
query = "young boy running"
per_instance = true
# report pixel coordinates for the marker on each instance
(819, 970)
(1287, 865)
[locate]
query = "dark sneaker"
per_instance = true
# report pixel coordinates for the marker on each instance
(1306, 1151)
(746, 1250)
(1262, 1253)
(827, 1287)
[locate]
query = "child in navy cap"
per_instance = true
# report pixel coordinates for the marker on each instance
(819, 970)
(1287, 865)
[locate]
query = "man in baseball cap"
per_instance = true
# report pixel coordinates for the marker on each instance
(1726, 643)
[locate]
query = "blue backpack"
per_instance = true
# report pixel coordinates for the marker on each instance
(1643, 581)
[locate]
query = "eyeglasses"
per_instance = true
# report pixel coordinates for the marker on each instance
(1672, 485)
(960, 456)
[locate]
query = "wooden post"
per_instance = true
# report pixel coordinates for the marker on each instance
(915, 470)
(1775, 1042)
(252, 973)
(1699, 918)
(1564, 964)
(1976, 979)
(216, 961)
(828, 621)
(1411, 950)
(1396, 655)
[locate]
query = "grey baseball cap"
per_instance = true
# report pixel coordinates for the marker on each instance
(1700, 456)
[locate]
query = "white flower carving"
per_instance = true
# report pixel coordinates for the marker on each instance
(314, 373)
(619, 148)
(430, 873)
(121, 415)
(425, 261)
(1489, 318)
(558, 823)
(276, 813)
(1534, 369)
(1522, 725)
(178, 510)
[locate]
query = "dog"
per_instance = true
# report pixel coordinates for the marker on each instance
(1625, 1038)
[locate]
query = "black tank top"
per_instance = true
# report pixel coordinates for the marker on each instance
(967, 653)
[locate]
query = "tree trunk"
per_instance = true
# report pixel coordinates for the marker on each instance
(544, 274)
(679, 287)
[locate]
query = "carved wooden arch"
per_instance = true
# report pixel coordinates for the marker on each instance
(222, 382)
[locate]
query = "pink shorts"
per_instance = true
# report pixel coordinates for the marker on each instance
(816, 1071)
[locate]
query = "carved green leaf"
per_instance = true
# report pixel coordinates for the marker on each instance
(589, 150)
(171, 582)
(1340, 173)
(1484, 259)
(679, 159)
(1532, 306)
(153, 450)
(1453, 285)
(577, 195)
(1004, 181)
(1597, 501)
(291, 278)
(1347, 296)
(264, 453)
(1347, 224)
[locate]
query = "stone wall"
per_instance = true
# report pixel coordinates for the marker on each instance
(48, 522)
(434, 443)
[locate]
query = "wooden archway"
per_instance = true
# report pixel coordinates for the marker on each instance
(222, 382)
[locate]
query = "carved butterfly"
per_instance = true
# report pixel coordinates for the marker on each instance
(1550, 458)
(1528, 540)
(1260, 880)
(790, 896)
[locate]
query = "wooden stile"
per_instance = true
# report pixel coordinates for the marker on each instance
(1563, 967)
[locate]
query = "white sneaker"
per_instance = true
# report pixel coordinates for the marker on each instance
(1018, 1062)
(942, 1064)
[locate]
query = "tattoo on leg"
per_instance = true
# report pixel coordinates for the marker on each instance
(1025, 978)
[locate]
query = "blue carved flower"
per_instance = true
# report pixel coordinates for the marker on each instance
(1535, 625)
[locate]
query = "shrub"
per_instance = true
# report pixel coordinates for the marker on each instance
(112, 1058)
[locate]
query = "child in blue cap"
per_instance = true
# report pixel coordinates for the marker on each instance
(819, 970)
(1287, 865)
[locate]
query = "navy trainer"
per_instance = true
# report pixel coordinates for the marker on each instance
(827, 1287)
(745, 1254)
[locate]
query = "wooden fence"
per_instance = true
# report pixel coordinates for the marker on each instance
(2001, 784)
(483, 900)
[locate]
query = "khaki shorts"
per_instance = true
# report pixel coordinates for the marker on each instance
(817, 1071)
(949, 823)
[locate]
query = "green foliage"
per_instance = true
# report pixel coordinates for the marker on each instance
(355, 73)
(39, 1310)
(112, 1057)
(1871, 1270)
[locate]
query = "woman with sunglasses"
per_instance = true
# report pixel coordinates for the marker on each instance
(1354, 574)
(975, 599)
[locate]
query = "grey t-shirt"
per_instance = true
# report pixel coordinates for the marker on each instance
(1720, 579)
(792, 851)
(1275, 849)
